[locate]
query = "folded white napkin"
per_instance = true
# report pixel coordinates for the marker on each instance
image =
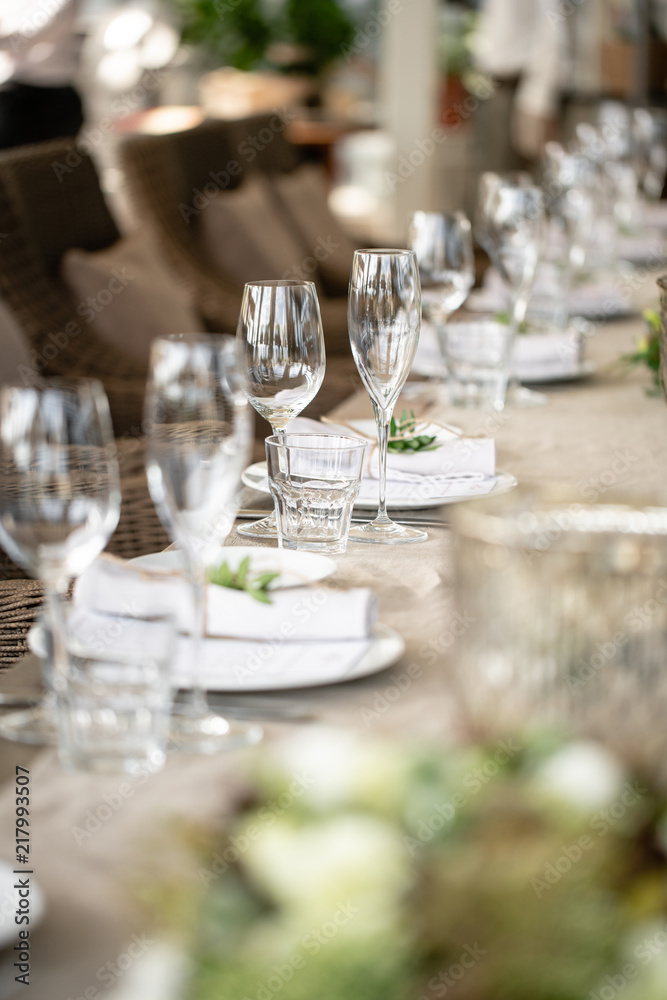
(655, 214)
(640, 248)
(546, 353)
(113, 587)
(457, 458)
(598, 297)
(225, 664)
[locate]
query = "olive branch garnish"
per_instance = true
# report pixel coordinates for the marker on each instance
(402, 436)
(257, 586)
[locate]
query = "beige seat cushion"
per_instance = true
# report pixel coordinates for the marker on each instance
(15, 360)
(303, 193)
(246, 238)
(127, 296)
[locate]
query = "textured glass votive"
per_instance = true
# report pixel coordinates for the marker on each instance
(314, 480)
(566, 612)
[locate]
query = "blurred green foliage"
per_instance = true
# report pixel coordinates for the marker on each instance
(241, 33)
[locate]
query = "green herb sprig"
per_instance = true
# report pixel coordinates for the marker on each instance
(256, 586)
(505, 318)
(648, 349)
(402, 437)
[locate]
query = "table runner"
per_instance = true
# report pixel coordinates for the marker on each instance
(596, 436)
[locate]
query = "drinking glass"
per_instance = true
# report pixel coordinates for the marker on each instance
(59, 504)
(510, 227)
(113, 711)
(384, 317)
(198, 442)
(650, 129)
(314, 480)
(443, 245)
(280, 330)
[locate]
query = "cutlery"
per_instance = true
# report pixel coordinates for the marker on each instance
(247, 513)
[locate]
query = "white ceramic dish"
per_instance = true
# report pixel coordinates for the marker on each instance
(256, 478)
(296, 569)
(550, 374)
(236, 666)
(307, 664)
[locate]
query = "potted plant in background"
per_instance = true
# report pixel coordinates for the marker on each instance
(302, 37)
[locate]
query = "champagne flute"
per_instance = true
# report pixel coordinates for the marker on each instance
(280, 330)
(510, 227)
(443, 245)
(199, 440)
(384, 317)
(59, 504)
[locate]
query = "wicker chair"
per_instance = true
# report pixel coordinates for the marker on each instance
(46, 207)
(164, 173)
(139, 531)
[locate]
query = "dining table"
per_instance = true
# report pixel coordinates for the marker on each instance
(597, 435)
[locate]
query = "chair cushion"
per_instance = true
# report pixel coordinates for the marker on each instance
(303, 193)
(246, 238)
(14, 352)
(127, 296)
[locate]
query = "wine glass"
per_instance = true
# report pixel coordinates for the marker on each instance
(650, 129)
(199, 435)
(443, 245)
(384, 317)
(510, 226)
(280, 330)
(59, 504)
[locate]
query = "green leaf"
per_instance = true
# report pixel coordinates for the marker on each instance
(222, 576)
(242, 571)
(260, 595)
(264, 579)
(403, 442)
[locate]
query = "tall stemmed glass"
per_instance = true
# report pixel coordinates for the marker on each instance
(59, 504)
(384, 317)
(280, 330)
(510, 225)
(443, 245)
(198, 442)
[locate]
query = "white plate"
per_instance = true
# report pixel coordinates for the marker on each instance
(315, 665)
(295, 664)
(546, 374)
(256, 478)
(534, 376)
(9, 900)
(295, 568)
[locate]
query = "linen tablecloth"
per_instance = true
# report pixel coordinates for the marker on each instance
(598, 435)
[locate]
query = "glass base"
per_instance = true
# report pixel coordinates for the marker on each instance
(266, 528)
(522, 398)
(36, 726)
(386, 532)
(194, 732)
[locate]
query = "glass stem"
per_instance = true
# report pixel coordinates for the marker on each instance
(197, 696)
(56, 676)
(383, 420)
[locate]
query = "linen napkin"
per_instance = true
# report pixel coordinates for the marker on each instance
(226, 664)
(457, 458)
(598, 297)
(544, 354)
(460, 468)
(111, 586)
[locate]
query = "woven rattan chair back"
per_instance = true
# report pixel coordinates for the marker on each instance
(40, 218)
(168, 175)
